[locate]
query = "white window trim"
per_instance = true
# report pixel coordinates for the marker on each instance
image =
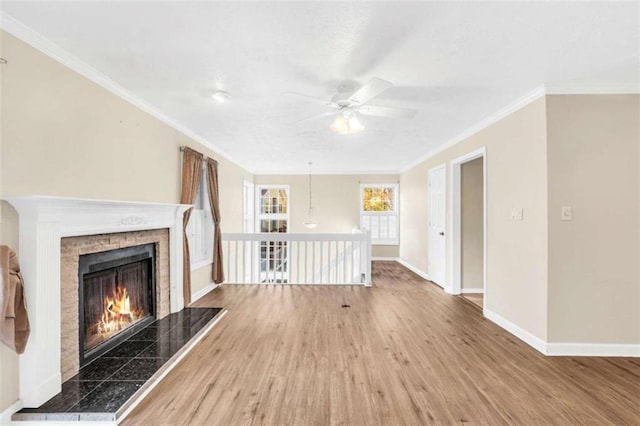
(396, 212)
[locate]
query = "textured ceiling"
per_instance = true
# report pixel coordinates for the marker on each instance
(458, 63)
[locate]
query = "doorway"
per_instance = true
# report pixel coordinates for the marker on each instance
(468, 236)
(437, 224)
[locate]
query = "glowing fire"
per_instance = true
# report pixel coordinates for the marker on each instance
(118, 314)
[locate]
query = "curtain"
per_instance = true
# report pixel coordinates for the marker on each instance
(214, 200)
(191, 172)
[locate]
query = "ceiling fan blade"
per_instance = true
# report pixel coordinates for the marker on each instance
(313, 117)
(370, 90)
(380, 111)
(314, 99)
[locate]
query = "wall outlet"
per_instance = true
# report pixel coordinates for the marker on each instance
(566, 213)
(517, 213)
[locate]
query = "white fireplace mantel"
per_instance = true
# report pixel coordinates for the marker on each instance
(43, 222)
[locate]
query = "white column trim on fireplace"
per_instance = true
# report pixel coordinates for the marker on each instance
(44, 221)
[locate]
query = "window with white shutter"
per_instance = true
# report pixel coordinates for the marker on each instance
(200, 227)
(379, 212)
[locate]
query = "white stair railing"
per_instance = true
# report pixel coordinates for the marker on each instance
(284, 258)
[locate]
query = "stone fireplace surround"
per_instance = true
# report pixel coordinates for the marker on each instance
(70, 250)
(44, 222)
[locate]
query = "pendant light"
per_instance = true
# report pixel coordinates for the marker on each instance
(310, 223)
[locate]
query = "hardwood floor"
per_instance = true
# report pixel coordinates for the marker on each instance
(476, 299)
(404, 352)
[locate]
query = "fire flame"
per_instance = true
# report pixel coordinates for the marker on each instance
(117, 314)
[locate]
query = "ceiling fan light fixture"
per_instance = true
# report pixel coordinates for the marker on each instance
(346, 125)
(355, 126)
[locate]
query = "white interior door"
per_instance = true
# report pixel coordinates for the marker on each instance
(437, 225)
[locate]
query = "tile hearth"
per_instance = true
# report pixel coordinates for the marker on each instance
(102, 388)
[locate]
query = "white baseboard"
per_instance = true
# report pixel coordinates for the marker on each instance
(472, 291)
(593, 349)
(5, 415)
(533, 341)
(565, 349)
(385, 259)
(206, 289)
(413, 269)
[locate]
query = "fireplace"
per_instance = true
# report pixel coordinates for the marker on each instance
(117, 295)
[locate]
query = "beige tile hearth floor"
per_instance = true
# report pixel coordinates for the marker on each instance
(404, 352)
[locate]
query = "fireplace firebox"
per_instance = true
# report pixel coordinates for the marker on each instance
(117, 295)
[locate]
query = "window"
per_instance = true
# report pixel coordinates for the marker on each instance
(379, 212)
(200, 226)
(273, 216)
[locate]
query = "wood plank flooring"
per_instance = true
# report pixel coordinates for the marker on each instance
(476, 299)
(404, 352)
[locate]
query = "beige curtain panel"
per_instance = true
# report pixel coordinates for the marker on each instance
(191, 172)
(214, 200)
(14, 321)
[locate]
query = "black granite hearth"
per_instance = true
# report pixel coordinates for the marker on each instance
(102, 388)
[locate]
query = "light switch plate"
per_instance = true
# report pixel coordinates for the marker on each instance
(517, 213)
(566, 213)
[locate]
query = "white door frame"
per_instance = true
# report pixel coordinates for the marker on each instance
(455, 236)
(248, 207)
(445, 281)
(249, 226)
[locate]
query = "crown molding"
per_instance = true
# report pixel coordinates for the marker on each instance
(525, 100)
(590, 89)
(352, 172)
(59, 54)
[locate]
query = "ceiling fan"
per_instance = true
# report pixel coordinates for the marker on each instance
(347, 107)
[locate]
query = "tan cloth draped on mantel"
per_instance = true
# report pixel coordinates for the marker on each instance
(214, 201)
(191, 172)
(14, 327)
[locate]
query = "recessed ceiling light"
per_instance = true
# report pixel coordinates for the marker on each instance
(220, 96)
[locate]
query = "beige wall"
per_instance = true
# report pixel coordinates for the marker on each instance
(471, 224)
(64, 135)
(594, 286)
(335, 201)
(9, 361)
(516, 250)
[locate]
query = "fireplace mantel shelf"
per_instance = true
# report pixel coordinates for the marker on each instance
(43, 221)
(78, 216)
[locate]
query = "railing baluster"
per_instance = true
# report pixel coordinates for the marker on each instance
(306, 262)
(321, 262)
(313, 262)
(297, 262)
(343, 277)
(333, 263)
(237, 263)
(328, 262)
(229, 258)
(244, 261)
(275, 261)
